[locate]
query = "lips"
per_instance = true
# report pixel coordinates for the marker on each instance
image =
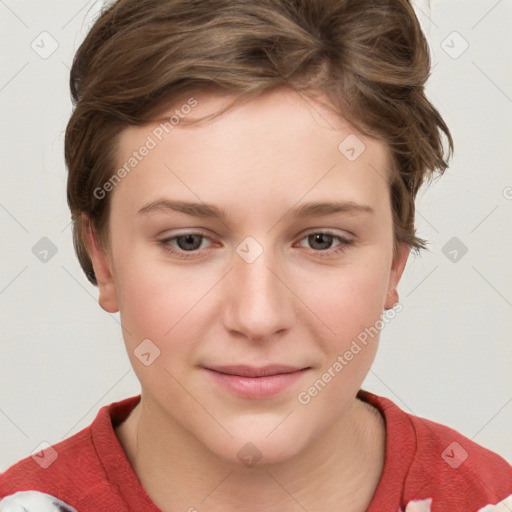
(251, 382)
(251, 371)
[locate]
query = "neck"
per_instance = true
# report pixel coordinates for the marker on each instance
(338, 471)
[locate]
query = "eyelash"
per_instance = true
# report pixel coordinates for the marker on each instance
(344, 244)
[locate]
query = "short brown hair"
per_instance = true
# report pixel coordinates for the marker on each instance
(368, 57)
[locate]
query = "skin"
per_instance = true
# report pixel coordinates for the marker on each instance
(290, 306)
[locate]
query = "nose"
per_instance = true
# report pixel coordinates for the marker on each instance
(259, 304)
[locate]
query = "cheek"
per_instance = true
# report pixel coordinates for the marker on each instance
(351, 304)
(347, 300)
(158, 304)
(153, 297)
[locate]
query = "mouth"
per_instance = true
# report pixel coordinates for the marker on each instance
(256, 382)
(251, 371)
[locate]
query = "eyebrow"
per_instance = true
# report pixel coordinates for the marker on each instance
(317, 209)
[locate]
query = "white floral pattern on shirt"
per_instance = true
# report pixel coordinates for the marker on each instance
(425, 506)
(503, 506)
(33, 501)
(416, 506)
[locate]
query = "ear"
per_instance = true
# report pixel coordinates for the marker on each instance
(102, 266)
(397, 268)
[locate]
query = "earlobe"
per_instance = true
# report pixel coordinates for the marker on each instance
(102, 267)
(397, 269)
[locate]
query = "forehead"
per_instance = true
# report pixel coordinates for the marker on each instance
(278, 146)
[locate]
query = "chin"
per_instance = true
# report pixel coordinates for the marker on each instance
(261, 445)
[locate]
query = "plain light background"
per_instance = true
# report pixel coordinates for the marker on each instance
(447, 356)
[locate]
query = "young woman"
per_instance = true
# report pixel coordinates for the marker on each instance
(242, 178)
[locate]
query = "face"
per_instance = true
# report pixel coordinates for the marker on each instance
(259, 242)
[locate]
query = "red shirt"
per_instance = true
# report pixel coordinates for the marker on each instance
(428, 467)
